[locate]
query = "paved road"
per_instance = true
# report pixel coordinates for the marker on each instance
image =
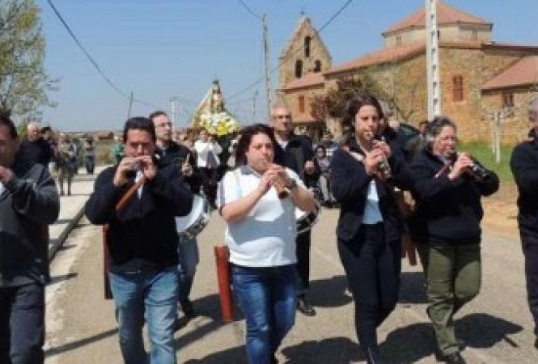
(496, 326)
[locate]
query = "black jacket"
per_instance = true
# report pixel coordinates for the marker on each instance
(447, 212)
(28, 204)
(294, 156)
(524, 165)
(145, 228)
(350, 184)
(177, 154)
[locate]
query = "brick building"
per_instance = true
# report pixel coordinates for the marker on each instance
(478, 75)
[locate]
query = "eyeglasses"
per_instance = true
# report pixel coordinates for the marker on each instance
(288, 116)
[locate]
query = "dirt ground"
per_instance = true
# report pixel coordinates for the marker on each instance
(500, 211)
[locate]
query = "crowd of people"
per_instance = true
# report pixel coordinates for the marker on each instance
(257, 181)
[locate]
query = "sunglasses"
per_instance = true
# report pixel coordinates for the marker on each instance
(288, 116)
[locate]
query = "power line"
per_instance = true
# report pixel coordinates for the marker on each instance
(250, 10)
(261, 79)
(93, 62)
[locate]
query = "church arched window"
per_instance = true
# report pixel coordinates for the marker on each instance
(298, 68)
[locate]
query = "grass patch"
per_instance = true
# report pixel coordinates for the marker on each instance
(482, 151)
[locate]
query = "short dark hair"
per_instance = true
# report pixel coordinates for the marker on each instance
(246, 138)
(45, 129)
(139, 123)
(435, 126)
(7, 122)
(157, 113)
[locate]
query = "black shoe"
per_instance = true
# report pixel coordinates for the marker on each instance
(454, 358)
(305, 307)
(372, 355)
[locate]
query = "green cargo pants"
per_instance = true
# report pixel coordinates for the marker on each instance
(454, 278)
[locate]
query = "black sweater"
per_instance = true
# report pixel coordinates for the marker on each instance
(447, 212)
(145, 228)
(524, 165)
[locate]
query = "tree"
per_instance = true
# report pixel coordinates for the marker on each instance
(334, 101)
(23, 81)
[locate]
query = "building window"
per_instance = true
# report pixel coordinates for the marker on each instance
(508, 99)
(457, 85)
(398, 40)
(317, 66)
(301, 104)
(307, 43)
(298, 68)
(474, 35)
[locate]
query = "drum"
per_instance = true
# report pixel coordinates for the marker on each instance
(191, 225)
(305, 220)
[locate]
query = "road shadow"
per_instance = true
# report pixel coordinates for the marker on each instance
(235, 355)
(336, 350)
(414, 342)
(329, 292)
(62, 278)
(412, 288)
(79, 343)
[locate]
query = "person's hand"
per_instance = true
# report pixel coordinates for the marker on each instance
(186, 168)
(462, 163)
(6, 174)
(372, 161)
(149, 169)
(125, 166)
(384, 146)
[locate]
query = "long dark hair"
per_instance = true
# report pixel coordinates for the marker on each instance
(352, 108)
(246, 138)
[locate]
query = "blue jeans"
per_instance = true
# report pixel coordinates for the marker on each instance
(22, 324)
(188, 260)
(268, 297)
(154, 294)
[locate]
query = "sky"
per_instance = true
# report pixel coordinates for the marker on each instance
(166, 53)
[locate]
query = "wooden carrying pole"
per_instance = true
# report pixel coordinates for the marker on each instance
(222, 255)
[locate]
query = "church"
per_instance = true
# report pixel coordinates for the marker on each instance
(482, 81)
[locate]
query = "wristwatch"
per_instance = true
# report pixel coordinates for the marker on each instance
(291, 184)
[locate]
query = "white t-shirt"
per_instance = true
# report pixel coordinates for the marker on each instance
(266, 236)
(203, 149)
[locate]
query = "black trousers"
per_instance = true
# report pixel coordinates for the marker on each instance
(209, 183)
(372, 267)
(22, 324)
(530, 251)
(302, 250)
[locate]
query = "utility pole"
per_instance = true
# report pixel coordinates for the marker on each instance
(432, 59)
(173, 110)
(254, 105)
(266, 66)
(130, 105)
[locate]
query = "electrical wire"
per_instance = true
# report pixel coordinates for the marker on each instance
(250, 10)
(94, 63)
(261, 79)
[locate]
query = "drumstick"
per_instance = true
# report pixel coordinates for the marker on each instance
(281, 190)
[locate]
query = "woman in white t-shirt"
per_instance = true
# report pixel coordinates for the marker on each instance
(257, 200)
